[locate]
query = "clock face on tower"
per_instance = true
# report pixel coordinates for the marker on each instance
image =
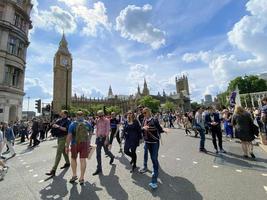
(63, 61)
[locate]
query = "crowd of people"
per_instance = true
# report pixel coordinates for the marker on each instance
(74, 134)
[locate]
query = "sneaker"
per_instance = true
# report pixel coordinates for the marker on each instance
(65, 166)
(143, 170)
(222, 151)
(111, 160)
(153, 185)
(203, 150)
(252, 155)
(51, 173)
(97, 172)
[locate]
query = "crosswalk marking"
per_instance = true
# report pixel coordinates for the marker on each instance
(195, 162)
(264, 174)
(31, 170)
(178, 158)
(265, 188)
(163, 156)
(27, 166)
(35, 175)
(41, 181)
(238, 170)
(215, 166)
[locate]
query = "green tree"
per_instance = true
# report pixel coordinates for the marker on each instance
(248, 84)
(150, 102)
(115, 109)
(195, 105)
(169, 106)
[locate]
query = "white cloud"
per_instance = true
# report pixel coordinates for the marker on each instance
(133, 23)
(95, 19)
(87, 92)
(56, 18)
(73, 2)
(249, 35)
(35, 88)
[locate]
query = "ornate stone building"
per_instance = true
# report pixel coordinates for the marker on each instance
(14, 26)
(62, 77)
(62, 89)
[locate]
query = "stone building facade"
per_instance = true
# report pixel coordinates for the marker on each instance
(14, 27)
(62, 89)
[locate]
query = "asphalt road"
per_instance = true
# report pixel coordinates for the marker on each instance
(184, 174)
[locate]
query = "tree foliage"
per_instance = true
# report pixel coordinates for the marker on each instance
(169, 106)
(115, 109)
(195, 105)
(150, 102)
(247, 84)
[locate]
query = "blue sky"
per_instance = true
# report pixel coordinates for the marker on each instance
(121, 42)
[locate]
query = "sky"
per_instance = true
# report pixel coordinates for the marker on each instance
(121, 42)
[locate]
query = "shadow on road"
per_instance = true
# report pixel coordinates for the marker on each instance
(88, 191)
(58, 187)
(169, 187)
(112, 185)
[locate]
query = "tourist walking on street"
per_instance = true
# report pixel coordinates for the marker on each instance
(1, 141)
(9, 138)
(102, 140)
(114, 127)
(35, 132)
(227, 122)
(213, 120)
(152, 131)
(243, 128)
(264, 114)
(132, 135)
(60, 129)
(200, 127)
(187, 124)
(78, 137)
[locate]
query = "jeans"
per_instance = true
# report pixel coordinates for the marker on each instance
(202, 137)
(61, 150)
(145, 155)
(100, 142)
(265, 128)
(131, 151)
(153, 149)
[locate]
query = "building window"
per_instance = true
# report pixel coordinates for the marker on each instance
(20, 22)
(16, 47)
(12, 76)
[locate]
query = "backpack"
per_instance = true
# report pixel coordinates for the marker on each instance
(81, 132)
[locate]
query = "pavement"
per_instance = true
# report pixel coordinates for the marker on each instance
(185, 174)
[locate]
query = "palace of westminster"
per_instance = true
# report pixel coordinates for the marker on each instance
(15, 24)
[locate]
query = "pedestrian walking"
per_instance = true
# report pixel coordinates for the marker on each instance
(152, 131)
(102, 133)
(199, 126)
(1, 141)
(114, 127)
(60, 129)
(243, 128)
(132, 135)
(187, 124)
(78, 138)
(213, 120)
(9, 138)
(35, 132)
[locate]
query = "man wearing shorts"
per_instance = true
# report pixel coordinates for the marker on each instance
(78, 136)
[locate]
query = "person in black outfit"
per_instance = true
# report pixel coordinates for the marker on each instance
(60, 130)
(132, 135)
(34, 135)
(212, 119)
(114, 126)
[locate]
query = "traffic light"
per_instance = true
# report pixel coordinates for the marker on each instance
(38, 105)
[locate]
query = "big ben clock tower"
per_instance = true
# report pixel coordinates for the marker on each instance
(62, 77)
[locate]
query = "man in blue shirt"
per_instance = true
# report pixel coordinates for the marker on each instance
(78, 136)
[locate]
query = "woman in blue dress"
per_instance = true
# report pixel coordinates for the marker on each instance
(132, 135)
(228, 127)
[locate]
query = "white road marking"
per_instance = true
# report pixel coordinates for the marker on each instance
(35, 175)
(56, 196)
(138, 151)
(238, 170)
(195, 162)
(21, 160)
(24, 163)
(27, 166)
(265, 188)
(44, 160)
(163, 156)
(41, 181)
(215, 166)
(178, 158)
(31, 170)
(264, 174)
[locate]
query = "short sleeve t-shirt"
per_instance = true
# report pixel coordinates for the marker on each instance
(72, 128)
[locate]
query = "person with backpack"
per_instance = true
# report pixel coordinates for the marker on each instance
(152, 131)
(60, 130)
(102, 140)
(78, 137)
